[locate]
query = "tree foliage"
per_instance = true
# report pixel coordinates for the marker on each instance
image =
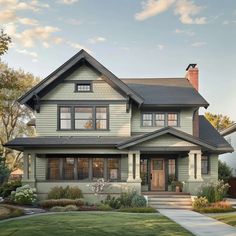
(4, 171)
(5, 40)
(219, 121)
(224, 171)
(13, 116)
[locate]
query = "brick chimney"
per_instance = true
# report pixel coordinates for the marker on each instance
(192, 75)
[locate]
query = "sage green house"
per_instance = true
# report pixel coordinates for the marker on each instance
(136, 133)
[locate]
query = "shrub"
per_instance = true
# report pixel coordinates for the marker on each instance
(7, 188)
(104, 207)
(4, 171)
(138, 210)
(67, 192)
(7, 211)
(126, 198)
(113, 202)
(61, 202)
(88, 208)
(200, 202)
(224, 171)
(71, 208)
(24, 195)
(214, 191)
(215, 210)
(138, 201)
(57, 209)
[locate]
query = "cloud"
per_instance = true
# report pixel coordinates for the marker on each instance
(72, 21)
(34, 55)
(78, 46)
(97, 39)
(186, 32)
(152, 8)
(160, 47)
(57, 40)
(67, 2)
(7, 16)
(28, 21)
(198, 44)
(185, 9)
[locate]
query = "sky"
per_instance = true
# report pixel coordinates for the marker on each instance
(132, 38)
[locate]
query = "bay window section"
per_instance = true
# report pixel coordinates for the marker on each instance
(83, 168)
(83, 118)
(98, 168)
(65, 118)
(68, 168)
(113, 169)
(54, 169)
(101, 118)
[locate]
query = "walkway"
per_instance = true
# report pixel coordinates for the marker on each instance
(199, 224)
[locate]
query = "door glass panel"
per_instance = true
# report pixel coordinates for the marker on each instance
(157, 164)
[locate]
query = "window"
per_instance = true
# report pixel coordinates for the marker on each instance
(65, 117)
(113, 169)
(98, 168)
(83, 168)
(171, 171)
(144, 171)
(83, 118)
(205, 165)
(54, 168)
(160, 119)
(172, 119)
(146, 120)
(68, 168)
(101, 118)
(83, 87)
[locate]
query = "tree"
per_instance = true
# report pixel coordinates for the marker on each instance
(5, 40)
(219, 121)
(224, 171)
(13, 116)
(4, 171)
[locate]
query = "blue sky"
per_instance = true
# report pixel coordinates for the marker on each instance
(149, 38)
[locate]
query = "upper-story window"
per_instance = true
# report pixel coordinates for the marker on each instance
(83, 86)
(83, 118)
(160, 119)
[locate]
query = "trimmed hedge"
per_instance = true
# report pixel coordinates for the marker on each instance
(64, 209)
(10, 212)
(65, 193)
(214, 210)
(61, 202)
(138, 210)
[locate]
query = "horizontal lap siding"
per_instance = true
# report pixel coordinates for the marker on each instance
(186, 121)
(124, 168)
(40, 168)
(213, 174)
(119, 122)
(183, 172)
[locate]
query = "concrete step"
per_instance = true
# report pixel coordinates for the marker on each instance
(172, 207)
(168, 199)
(171, 203)
(167, 196)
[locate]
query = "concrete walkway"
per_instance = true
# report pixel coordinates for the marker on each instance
(199, 224)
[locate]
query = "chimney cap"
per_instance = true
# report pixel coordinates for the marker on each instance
(193, 65)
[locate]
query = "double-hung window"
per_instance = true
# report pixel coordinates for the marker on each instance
(160, 119)
(65, 117)
(205, 165)
(172, 119)
(83, 118)
(147, 119)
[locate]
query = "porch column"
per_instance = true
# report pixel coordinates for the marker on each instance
(130, 167)
(137, 169)
(194, 157)
(32, 166)
(25, 166)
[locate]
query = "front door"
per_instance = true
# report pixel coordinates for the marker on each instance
(157, 174)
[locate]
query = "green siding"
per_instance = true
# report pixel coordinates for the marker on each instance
(213, 175)
(40, 168)
(124, 168)
(182, 163)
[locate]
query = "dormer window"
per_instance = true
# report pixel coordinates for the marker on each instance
(83, 86)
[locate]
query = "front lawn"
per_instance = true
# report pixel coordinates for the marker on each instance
(99, 224)
(229, 219)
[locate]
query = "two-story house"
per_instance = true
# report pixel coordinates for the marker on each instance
(137, 133)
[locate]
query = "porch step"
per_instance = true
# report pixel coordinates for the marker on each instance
(169, 201)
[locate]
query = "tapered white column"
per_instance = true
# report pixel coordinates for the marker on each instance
(130, 167)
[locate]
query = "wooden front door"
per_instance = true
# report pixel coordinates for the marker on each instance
(157, 174)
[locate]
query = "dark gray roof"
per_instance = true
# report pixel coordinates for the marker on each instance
(82, 57)
(208, 133)
(58, 141)
(166, 92)
(231, 129)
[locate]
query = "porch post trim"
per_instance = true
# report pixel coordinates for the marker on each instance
(130, 167)
(137, 165)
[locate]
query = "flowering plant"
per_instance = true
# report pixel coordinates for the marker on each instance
(24, 195)
(98, 187)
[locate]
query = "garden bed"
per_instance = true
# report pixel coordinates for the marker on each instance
(9, 211)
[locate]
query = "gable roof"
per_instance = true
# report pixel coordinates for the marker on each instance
(231, 129)
(173, 92)
(81, 57)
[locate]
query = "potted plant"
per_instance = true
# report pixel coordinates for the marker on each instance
(177, 186)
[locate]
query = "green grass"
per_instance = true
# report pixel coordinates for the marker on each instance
(99, 224)
(229, 219)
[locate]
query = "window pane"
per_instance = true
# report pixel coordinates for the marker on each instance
(160, 119)
(147, 116)
(68, 168)
(65, 124)
(83, 168)
(204, 165)
(98, 167)
(157, 165)
(101, 124)
(147, 123)
(101, 113)
(171, 167)
(144, 171)
(83, 124)
(53, 169)
(113, 168)
(65, 112)
(83, 113)
(172, 119)
(83, 87)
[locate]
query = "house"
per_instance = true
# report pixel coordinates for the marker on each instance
(230, 158)
(137, 133)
